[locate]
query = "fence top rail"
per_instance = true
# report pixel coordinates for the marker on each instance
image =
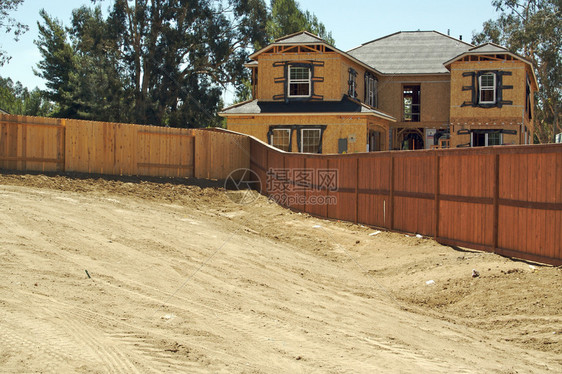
(502, 149)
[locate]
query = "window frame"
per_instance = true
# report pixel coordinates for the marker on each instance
(301, 150)
(288, 130)
(352, 83)
(412, 91)
(291, 81)
(486, 138)
(371, 84)
(493, 89)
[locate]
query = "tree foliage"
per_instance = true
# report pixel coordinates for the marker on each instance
(160, 62)
(149, 61)
(10, 25)
(288, 18)
(532, 28)
(16, 99)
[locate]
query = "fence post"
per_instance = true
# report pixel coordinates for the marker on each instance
(267, 174)
(357, 190)
(437, 192)
(285, 184)
(496, 198)
(391, 209)
(62, 145)
(328, 190)
(24, 148)
(305, 189)
(194, 153)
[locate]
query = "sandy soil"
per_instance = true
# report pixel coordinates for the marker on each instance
(185, 280)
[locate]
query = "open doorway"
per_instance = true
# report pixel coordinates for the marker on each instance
(411, 139)
(375, 141)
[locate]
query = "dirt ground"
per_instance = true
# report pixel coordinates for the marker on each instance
(137, 276)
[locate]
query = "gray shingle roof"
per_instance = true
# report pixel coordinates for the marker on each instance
(410, 52)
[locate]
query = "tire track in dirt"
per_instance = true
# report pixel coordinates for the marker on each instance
(128, 342)
(52, 360)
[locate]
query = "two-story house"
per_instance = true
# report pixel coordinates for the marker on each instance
(409, 90)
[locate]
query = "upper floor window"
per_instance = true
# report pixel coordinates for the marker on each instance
(528, 106)
(299, 84)
(371, 90)
(411, 97)
(352, 83)
(487, 88)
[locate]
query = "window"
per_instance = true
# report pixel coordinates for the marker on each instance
(487, 84)
(528, 106)
(352, 82)
(299, 81)
(412, 103)
(281, 138)
(485, 138)
(310, 140)
(494, 138)
(371, 90)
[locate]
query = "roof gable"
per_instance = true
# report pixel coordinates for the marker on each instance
(306, 38)
(410, 52)
(303, 37)
(489, 48)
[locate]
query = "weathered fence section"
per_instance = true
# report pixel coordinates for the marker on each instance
(49, 144)
(506, 200)
(31, 145)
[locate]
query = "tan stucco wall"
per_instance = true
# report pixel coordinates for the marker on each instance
(435, 92)
(507, 139)
(329, 89)
(517, 94)
(338, 127)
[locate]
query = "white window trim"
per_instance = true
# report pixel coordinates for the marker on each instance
(302, 138)
(286, 130)
(371, 98)
(493, 89)
(299, 81)
(353, 84)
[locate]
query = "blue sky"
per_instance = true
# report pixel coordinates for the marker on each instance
(351, 23)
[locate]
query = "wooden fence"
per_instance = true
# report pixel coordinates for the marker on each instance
(49, 144)
(506, 200)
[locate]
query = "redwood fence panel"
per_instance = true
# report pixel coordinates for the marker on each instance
(50, 144)
(506, 200)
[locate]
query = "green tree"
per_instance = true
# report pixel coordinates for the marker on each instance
(59, 66)
(285, 18)
(288, 18)
(16, 99)
(150, 61)
(9, 25)
(179, 54)
(102, 88)
(532, 28)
